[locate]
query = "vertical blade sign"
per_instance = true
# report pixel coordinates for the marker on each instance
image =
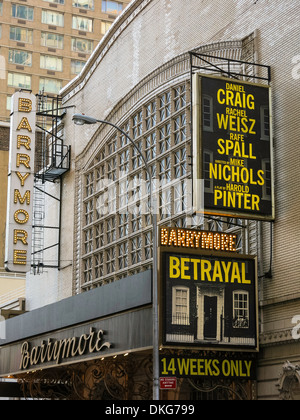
(19, 219)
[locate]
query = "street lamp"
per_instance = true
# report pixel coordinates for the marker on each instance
(81, 119)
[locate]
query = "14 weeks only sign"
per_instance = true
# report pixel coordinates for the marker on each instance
(233, 148)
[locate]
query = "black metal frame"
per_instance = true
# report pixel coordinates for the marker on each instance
(207, 59)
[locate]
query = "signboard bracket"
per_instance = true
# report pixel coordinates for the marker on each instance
(225, 67)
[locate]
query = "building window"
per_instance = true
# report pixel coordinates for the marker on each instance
(22, 58)
(123, 255)
(84, 4)
(267, 187)
(165, 106)
(180, 306)
(148, 245)
(111, 229)
(207, 106)
(151, 146)
(208, 159)
(165, 170)
(112, 169)
(82, 45)
(180, 197)
(123, 195)
(8, 102)
(240, 309)
(123, 139)
(136, 220)
(112, 7)
(50, 85)
(89, 212)
(105, 26)
(18, 80)
(180, 97)
(88, 241)
(165, 203)
(110, 260)
(52, 18)
(99, 235)
(136, 250)
(115, 202)
(265, 122)
(123, 225)
(77, 66)
(22, 12)
(165, 138)
(124, 162)
(180, 128)
(82, 24)
(20, 34)
(50, 62)
(137, 124)
(88, 269)
(56, 1)
(52, 40)
(89, 186)
(150, 115)
(180, 162)
(99, 265)
(137, 160)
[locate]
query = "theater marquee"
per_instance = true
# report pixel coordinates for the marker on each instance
(232, 148)
(208, 298)
(20, 183)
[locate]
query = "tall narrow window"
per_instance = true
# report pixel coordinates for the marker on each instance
(265, 122)
(240, 309)
(181, 306)
(207, 105)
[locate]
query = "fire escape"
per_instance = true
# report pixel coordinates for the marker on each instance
(52, 162)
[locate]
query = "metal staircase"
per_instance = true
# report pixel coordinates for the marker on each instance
(38, 227)
(52, 162)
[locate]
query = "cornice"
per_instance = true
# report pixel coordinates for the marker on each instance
(275, 338)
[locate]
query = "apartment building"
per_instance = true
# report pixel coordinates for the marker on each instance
(45, 44)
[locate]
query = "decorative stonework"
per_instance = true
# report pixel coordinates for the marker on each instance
(276, 338)
(289, 382)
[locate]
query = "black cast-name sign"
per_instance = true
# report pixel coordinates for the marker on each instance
(233, 146)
